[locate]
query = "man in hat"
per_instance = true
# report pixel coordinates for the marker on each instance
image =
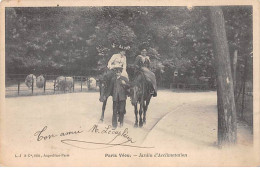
(120, 84)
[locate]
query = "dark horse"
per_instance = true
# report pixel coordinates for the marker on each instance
(140, 93)
(103, 85)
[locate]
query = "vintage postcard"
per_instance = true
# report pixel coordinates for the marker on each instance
(129, 83)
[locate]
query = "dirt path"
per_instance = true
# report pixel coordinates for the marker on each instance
(176, 122)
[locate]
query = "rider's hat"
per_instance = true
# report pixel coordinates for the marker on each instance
(124, 47)
(120, 47)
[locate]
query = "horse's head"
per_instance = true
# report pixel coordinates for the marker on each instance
(102, 87)
(136, 90)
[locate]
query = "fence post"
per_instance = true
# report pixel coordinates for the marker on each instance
(243, 101)
(44, 85)
(54, 86)
(18, 87)
(32, 84)
(65, 85)
(73, 83)
(80, 83)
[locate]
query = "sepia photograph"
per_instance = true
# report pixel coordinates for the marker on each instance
(129, 85)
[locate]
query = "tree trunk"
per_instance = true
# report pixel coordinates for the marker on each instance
(227, 127)
(234, 71)
(244, 88)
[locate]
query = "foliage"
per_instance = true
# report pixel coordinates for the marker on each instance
(78, 40)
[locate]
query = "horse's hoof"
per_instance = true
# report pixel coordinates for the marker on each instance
(136, 125)
(101, 121)
(144, 122)
(140, 124)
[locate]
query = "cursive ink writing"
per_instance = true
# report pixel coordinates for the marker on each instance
(110, 131)
(40, 136)
(125, 139)
(71, 133)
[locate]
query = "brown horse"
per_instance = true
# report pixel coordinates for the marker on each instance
(140, 93)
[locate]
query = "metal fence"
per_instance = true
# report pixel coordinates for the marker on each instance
(15, 85)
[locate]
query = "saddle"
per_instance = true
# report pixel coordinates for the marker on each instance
(149, 82)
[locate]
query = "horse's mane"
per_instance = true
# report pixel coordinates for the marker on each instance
(138, 79)
(101, 77)
(141, 82)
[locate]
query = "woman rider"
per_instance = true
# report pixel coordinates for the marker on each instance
(115, 61)
(119, 59)
(142, 62)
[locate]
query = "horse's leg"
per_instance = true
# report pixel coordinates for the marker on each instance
(140, 113)
(136, 116)
(146, 107)
(103, 110)
(144, 114)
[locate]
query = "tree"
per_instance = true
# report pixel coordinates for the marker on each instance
(73, 40)
(240, 39)
(227, 124)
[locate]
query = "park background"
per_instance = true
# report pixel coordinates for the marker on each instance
(77, 41)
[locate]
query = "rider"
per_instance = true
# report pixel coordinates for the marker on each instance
(115, 61)
(142, 63)
(119, 59)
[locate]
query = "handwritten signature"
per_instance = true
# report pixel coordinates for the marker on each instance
(119, 138)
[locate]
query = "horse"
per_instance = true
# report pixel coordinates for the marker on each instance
(103, 86)
(102, 97)
(140, 93)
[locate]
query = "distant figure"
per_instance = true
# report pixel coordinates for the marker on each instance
(64, 83)
(92, 83)
(40, 81)
(203, 78)
(30, 80)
